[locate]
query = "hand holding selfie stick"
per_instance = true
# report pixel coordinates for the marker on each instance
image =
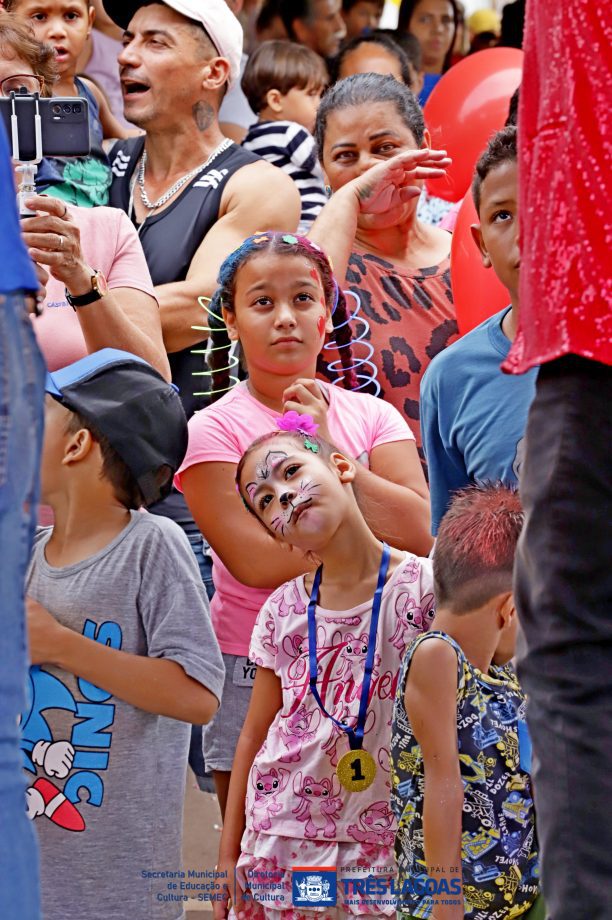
(26, 168)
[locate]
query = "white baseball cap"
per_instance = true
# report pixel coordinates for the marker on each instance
(220, 24)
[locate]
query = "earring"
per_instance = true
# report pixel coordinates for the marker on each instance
(328, 191)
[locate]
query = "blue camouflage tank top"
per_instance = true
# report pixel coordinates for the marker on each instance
(499, 852)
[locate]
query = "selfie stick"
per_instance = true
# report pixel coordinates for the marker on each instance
(29, 168)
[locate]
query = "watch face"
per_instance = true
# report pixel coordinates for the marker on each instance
(98, 283)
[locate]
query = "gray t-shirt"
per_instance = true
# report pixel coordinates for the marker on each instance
(110, 821)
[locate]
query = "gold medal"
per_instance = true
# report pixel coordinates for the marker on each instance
(356, 770)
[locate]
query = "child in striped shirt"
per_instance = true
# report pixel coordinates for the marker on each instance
(283, 83)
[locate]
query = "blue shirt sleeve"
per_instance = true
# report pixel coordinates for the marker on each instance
(16, 269)
(447, 471)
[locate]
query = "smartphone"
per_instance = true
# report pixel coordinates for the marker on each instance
(64, 125)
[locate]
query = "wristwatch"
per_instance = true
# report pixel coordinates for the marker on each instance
(99, 288)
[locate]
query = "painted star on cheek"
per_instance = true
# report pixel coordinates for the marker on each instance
(321, 325)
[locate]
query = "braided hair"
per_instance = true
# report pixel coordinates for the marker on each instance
(285, 244)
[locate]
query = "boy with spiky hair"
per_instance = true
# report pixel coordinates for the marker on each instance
(460, 752)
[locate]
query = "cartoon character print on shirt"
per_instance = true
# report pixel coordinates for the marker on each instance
(340, 671)
(296, 730)
(86, 182)
(353, 656)
(290, 603)
(319, 805)
(268, 787)
(267, 640)
(296, 649)
(411, 615)
(375, 827)
(54, 757)
(80, 760)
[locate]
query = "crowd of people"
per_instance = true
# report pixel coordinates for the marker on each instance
(271, 529)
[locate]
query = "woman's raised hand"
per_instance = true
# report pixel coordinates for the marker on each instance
(392, 183)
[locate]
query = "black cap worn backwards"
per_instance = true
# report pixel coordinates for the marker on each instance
(136, 410)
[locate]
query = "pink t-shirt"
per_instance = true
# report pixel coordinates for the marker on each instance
(293, 790)
(222, 432)
(110, 244)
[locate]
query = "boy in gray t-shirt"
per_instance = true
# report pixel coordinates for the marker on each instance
(118, 620)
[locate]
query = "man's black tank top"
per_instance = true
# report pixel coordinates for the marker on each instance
(171, 238)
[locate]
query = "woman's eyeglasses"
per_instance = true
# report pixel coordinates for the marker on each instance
(21, 83)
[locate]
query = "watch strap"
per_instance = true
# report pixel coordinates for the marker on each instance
(82, 300)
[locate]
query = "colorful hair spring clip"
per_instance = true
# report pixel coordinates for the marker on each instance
(364, 367)
(205, 302)
(293, 421)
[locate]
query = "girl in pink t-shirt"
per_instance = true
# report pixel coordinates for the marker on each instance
(277, 294)
(312, 761)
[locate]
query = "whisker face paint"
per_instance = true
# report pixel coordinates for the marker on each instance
(277, 524)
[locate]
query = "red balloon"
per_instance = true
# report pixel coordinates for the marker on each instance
(465, 108)
(477, 291)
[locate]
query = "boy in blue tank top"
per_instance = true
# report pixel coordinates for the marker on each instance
(461, 787)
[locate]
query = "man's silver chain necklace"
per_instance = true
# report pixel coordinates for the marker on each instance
(178, 185)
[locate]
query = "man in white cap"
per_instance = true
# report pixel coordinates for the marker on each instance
(194, 195)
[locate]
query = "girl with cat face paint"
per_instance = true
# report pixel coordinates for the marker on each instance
(312, 760)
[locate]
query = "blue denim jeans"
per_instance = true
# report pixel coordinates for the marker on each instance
(196, 755)
(22, 376)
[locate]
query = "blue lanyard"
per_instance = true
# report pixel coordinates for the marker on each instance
(355, 735)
